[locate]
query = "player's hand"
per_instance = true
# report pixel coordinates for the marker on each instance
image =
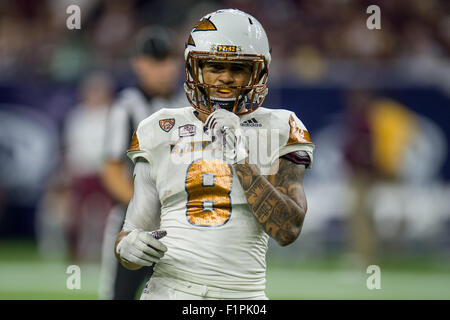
(225, 126)
(142, 247)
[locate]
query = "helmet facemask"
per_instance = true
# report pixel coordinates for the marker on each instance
(247, 98)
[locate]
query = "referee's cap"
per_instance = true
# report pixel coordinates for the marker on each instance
(154, 41)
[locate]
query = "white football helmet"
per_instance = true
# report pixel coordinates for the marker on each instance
(227, 35)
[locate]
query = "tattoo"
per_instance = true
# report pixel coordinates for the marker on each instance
(278, 202)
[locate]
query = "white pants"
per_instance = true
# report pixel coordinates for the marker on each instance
(161, 288)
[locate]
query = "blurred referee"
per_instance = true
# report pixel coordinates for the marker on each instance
(154, 64)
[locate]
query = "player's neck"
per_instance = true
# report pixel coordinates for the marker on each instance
(201, 116)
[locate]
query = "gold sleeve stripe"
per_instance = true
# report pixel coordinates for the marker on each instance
(134, 146)
(297, 135)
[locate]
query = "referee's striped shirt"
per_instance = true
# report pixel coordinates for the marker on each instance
(131, 107)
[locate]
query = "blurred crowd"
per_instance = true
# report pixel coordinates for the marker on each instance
(312, 40)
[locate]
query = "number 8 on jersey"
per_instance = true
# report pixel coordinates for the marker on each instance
(208, 185)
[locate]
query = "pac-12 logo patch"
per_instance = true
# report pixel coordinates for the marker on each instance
(167, 124)
(186, 130)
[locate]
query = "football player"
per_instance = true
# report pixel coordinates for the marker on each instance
(154, 64)
(201, 180)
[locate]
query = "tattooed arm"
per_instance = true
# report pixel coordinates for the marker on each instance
(278, 201)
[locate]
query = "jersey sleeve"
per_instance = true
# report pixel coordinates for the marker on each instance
(144, 209)
(136, 149)
(295, 137)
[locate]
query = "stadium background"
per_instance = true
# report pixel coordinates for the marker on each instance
(324, 59)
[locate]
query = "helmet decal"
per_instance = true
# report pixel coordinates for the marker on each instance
(227, 48)
(205, 25)
(191, 41)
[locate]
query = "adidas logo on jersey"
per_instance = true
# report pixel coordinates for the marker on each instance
(251, 123)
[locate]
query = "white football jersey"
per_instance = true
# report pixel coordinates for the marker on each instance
(212, 237)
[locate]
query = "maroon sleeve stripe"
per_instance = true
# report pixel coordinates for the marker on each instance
(298, 157)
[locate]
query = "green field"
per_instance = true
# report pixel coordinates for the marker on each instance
(26, 275)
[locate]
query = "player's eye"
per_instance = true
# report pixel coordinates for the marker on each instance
(240, 68)
(214, 67)
(237, 69)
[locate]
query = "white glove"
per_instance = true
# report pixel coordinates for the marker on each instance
(225, 127)
(142, 247)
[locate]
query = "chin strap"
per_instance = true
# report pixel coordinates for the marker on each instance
(216, 103)
(228, 103)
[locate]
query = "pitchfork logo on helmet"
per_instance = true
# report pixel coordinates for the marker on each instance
(233, 36)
